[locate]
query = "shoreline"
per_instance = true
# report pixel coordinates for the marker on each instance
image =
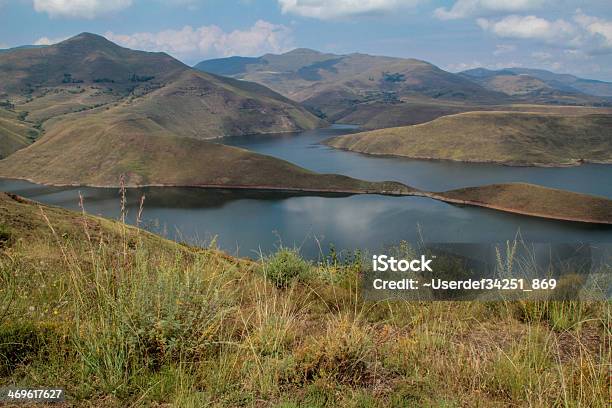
(438, 196)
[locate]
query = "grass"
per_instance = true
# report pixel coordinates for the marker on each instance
(524, 138)
(120, 317)
(15, 133)
(535, 200)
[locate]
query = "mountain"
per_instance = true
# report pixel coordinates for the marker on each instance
(587, 86)
(3, 50)
(502, 137)
(336, 86)
(144, 116)
(535, 85)
(88, 72)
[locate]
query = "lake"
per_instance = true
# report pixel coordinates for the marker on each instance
(249, 223)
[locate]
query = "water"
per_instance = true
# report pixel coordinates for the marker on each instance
(249, 223)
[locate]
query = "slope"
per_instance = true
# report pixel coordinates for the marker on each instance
(502, 137)
(15, 133)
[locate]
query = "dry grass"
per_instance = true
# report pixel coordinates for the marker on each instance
(500, 137)
(120, 317)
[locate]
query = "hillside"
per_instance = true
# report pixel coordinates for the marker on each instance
(336, 86)
(501, 137)
(85, 59)
(147, 121)
(99, 308)
(146, 141)
(571, 82)
(534, 200)
(87, 73)
(15, 133)
(540, 86)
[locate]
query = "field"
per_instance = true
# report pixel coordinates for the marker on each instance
(516, 138)
(120, 317)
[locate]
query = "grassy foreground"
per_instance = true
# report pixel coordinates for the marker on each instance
(120, 317)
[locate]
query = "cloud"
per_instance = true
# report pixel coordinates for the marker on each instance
(79, 8)
(332, 9)
(530, 27)
(593, 35)
(48, 41)
(471, 8)
(599, 29)
(196, 43)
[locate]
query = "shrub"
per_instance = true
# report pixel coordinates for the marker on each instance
(21, 343)
(285, 266)
(6, 238)
(343, 355)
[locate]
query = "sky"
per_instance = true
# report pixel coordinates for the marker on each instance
(566, 36)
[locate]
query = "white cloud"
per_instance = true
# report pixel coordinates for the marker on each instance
(331, 9)
(592, 35)
(48, 41)
(79, 8)
(530, 27)
(470, 8)
(598, 28)
(193, 43)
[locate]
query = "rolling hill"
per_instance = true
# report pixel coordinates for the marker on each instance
(87, 72)
(377, 92)
(336, 86)
(15, 133)
(540, 86)
(148, 121)
(503, 137)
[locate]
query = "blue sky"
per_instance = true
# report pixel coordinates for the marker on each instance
(561, 35)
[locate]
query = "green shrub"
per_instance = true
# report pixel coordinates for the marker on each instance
(285, 266)
(6, 238)
(21, 343)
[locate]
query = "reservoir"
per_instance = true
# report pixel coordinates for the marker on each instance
(250, 223)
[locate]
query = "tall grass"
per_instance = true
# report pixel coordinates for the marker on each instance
(122, 318)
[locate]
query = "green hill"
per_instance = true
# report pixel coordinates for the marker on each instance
(500, 137)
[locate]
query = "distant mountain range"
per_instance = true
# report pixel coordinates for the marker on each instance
(377, 91)
(538, 85)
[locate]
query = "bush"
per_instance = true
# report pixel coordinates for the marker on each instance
(22, 343)
(6, 238)
(285, 266)
(343, 355)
